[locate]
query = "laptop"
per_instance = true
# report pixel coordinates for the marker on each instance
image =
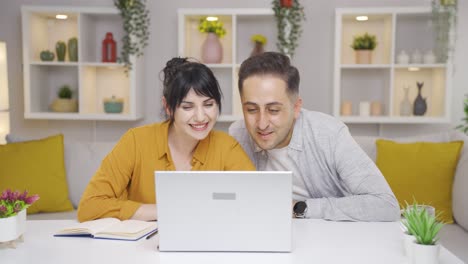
(224, 210)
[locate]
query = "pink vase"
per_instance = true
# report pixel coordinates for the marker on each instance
(212, 51)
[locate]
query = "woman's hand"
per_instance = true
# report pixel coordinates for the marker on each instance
(146, 212)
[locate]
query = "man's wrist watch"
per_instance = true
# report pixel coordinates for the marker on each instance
(300, 209)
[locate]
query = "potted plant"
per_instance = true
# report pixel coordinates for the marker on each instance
(425, 227)
(364, 45)
(211, 50)
(259, 41)
(13, 214)
(136, 23)
(289, 14)
(64, 102)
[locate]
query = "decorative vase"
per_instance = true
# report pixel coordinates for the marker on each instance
(376, 108)
(47, 55)
(420, 105)
(416, 57)
(429, 57)
(212, 51)
(109, 48)
(346, 108)
(11, 228)
(60, 49)
(364, 108)
(402, 57)
(405, 105)
(425, 254)
(64, 105)
(258, 49)
(363, 56)
(73, 49)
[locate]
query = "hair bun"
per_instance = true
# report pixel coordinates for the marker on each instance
(171, 68)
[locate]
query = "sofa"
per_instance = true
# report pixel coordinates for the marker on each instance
(452, 236)
(83, 158)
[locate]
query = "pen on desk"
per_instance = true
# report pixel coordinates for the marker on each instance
(152, 234)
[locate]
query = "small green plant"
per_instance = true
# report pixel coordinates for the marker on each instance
(364, 42)
(423, 226)
(259, 38)
(65, 92)
(216, 27)
(464, 127)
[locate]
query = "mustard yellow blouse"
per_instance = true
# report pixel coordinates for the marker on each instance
(125, 179)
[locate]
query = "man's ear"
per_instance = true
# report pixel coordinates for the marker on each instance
(297, 107)
(166, 107)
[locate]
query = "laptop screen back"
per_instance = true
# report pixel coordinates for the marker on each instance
(224, 210)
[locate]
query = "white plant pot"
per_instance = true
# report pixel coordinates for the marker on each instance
(425, 254)
(408, 241)
(11, 228)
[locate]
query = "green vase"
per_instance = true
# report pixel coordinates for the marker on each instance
(73, 49)
(60, 49)
(47, 55)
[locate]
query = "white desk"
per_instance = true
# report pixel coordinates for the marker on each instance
(314, 241)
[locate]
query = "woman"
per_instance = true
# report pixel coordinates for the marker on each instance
(123, 187)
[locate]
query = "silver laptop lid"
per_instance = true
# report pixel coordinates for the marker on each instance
(224, 210)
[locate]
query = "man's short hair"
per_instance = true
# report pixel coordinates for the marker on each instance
(273, 63)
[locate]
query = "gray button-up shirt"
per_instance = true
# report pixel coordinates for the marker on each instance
(343, 183)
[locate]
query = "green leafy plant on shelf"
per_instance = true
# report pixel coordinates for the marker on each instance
(217, 27)
(423, 226)
(65, 92)
(289, 16)
(136, 21)
(364, 42)
(464, 126)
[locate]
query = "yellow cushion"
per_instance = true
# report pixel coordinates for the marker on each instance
(421, 171)
(37, 166)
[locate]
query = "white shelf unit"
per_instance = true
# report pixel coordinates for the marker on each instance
(382, 81)
(240, 25)
(90, 79)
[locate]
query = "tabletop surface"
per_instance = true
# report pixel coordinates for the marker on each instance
(314, 241)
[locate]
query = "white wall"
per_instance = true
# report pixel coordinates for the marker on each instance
(314, 58)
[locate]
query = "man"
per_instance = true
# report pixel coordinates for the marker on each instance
(333, 178)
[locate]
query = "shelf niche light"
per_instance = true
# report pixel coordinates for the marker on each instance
(61, 16)
(212, 18)
(362, 18)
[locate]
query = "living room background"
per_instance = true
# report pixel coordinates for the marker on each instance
(314, 59)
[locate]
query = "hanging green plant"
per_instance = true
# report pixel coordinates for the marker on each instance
(136, 23)
(289, 14)
(444, 22)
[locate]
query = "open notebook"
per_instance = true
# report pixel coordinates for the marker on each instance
(110, 228)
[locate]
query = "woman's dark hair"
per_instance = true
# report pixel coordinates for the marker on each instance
(181, 75)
